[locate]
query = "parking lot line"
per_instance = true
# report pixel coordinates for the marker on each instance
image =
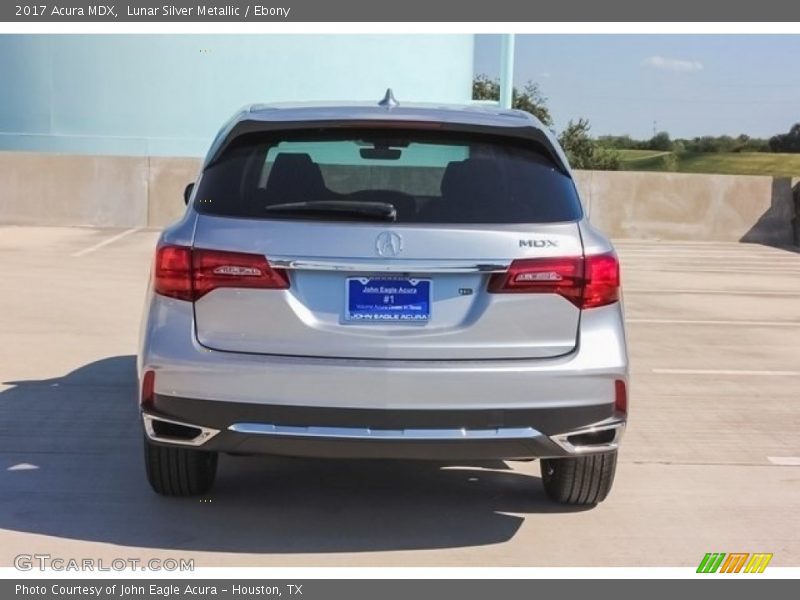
(715, 322)
(106, 242)
(741, 372)
(722, 270)
(742, 292)
(785, 461)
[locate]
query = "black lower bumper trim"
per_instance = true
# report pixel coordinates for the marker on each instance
(220, 415)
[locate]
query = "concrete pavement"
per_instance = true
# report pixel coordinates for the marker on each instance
(714, 331)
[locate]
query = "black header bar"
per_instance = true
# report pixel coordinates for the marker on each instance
(150, 11)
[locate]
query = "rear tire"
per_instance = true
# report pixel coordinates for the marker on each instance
(174, 471)
(579, 480)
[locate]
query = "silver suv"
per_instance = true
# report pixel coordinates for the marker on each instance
(384, 281)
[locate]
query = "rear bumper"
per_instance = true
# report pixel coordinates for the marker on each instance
(238, 428)
(386, 408)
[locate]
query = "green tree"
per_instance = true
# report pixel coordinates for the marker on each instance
(577, 144)
(660, 141)
(584, 152)
(529, 98)
(786, 142)
(621, 142)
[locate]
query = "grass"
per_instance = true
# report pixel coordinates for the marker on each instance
(637, 155)
(731, 163)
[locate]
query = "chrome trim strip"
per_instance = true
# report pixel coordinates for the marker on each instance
(394, 266)
(617, 425)
(206, 433)
(365, 433)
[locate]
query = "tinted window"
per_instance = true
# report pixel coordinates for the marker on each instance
(428, 179)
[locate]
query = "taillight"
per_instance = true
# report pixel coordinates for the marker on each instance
(620, 397)
(190, 273)
(172, 274)
(587, 282)
(601, 275)
(562, 276)
(212, 269)
(148, 388)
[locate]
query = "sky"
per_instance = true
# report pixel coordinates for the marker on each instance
(687, 85)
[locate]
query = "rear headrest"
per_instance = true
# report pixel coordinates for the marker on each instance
(451, 176)
(295, 178)
(473, 176)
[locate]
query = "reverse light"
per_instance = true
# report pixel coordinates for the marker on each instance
(190, 273)
(587, 282)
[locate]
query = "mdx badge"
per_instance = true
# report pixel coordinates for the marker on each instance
(538, 244)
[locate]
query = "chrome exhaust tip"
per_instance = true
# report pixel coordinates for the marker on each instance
(160, 429)
(600, 437)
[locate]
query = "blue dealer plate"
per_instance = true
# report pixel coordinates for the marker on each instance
(388, 300)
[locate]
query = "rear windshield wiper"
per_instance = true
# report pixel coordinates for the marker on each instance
(343, 209)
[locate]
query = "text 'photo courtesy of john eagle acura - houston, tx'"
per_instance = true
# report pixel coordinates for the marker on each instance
(384, 280)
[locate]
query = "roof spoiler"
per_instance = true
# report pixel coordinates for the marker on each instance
(240, 127)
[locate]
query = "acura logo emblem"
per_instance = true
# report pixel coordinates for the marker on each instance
(389, 244)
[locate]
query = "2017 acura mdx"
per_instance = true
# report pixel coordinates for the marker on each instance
(384, 281)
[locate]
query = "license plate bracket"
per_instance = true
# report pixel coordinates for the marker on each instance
(387, 300)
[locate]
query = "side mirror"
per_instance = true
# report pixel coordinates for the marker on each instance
(187, 193)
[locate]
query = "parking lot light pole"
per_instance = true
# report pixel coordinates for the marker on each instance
(507, 70)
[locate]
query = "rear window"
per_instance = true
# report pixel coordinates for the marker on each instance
(426, 178)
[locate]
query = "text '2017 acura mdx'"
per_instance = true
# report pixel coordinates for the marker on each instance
(384, 281)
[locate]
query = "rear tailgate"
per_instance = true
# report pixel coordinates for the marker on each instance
(310, 318)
